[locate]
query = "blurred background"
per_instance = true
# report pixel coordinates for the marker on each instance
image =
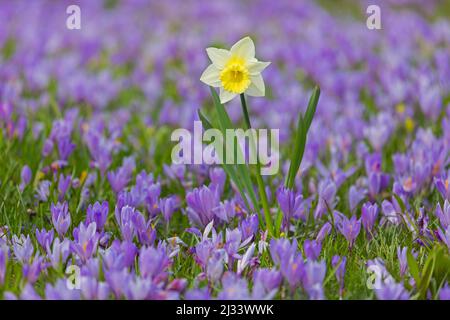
(145, 58)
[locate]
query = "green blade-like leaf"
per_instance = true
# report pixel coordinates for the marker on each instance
(229, 169)
(413, 266)
(297, 155)
(303, 125)
(312, 106)
(241, 169)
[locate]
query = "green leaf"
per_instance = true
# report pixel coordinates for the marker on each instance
(426, 275)
(303, 125)
(229, 169)
(312, 106)
(413, 266)
(241, 169)
(297, 155)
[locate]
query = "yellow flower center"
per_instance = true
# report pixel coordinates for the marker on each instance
(235, 76)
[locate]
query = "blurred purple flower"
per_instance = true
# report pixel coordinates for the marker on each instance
(98, 213)
(60, 218)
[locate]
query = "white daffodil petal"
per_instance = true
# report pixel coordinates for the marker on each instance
(244, 48)
(211, 76)
(257, 87)
(225, 95)
(257, 67)
(218, 57)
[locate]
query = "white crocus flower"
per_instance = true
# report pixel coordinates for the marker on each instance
(235, 71)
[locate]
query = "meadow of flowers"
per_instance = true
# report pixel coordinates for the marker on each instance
(92, 207)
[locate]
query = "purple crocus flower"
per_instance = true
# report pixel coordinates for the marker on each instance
(265, 283)
(312, 249)
(98, 213)
(389, 290)
(92, 289)
(233, 288)
(218, 178)
(32, 270)
(225, 211)
(201, 204)
(59, 252)
(85, 241)
(369, 213)
(119, 255)
(153, 263)
(214, 266)
(323, 232)
(4, 257)
(23, 248)
(43, 190)
(120, 178)
(60, 218)
(349, 228)
(377, 180)
(249, 226)
(65, 147)
(312, 279)
(198, 294)
(290, 204)
(444, 293)
(152, 199)
(402, 258)
(25, 176)
(167, 206)
(60, 291)
(355, 196)
(47, 148)
(444, 236)
(443, 215)
(327, 192)
(282, 250)
(63, 185)
(45, 238)
(339, 263)
(442, 184)
(145, 232)
(124, 218)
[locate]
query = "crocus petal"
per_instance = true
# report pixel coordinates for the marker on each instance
(244, 48)
(225, 95)
(211, 76)
(256, 88)
(218, 57)
(256, 67)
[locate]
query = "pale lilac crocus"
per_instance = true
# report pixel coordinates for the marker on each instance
(443, 214)
(25, 176)
(45, 238)
(312, 279)
(23, 248)
(350, 229)
(85, 241)
(369, 214)
(290, 204)
(324, 231)
(60, 218)
(390, 290)
(312, 249)
(98, 213)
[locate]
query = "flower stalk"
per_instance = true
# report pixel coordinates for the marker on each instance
(259, 180)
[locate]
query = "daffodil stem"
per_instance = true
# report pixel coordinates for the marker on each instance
(259, 180)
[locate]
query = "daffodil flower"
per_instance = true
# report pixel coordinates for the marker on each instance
(235, 71)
